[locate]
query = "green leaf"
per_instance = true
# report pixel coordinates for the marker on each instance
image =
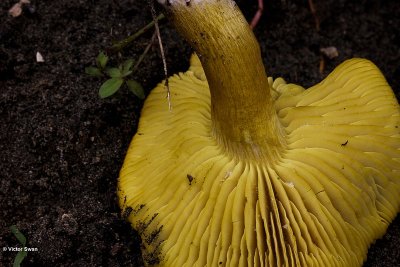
(126, 73)
(21, 238)
(127, 65)
(136, 88)
(93, 71)
(101, 60)
(114, 72)
(21, 255)
(110, 86)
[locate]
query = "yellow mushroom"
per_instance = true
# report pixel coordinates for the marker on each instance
(250, 171)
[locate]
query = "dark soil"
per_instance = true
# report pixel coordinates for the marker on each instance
(61, 147)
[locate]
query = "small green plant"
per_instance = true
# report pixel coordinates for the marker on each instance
(117, 76)
(21, 255)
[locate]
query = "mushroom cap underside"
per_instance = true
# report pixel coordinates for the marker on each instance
(332, 192)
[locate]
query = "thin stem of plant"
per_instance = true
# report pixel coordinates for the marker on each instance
(153, 13)
(258, 14)
(120, 45)
(146, 50)
(314, 13)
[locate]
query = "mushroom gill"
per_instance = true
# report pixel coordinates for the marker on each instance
(250, 171)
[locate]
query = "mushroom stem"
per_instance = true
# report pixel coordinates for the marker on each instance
(244, 120)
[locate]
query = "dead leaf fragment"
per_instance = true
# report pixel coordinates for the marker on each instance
(39, 57)
(16, 9)
(330, 52)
